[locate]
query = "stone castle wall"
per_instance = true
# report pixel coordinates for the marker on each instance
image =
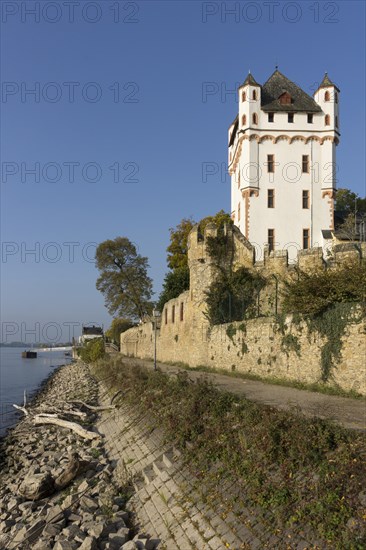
(255, 346)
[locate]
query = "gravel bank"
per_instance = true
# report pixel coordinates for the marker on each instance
(89, 513)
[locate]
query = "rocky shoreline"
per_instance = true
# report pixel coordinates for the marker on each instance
(87, 513)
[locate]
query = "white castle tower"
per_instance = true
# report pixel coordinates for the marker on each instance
(282, 163)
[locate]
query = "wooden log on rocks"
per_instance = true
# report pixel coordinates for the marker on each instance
(51, 419)
(72, 470)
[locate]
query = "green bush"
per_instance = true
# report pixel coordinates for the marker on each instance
(92, 350)
(327, 298)
(313, 293)
(233, 296)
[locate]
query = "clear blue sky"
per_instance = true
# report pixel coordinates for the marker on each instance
(157, 57)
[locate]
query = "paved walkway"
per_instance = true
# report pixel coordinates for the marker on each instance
(350, 413)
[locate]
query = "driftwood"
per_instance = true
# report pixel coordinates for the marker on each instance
(119, 392)
(53, 419)
(93, 408)
(38, 486)
(69, 412)
(72, 470)
(23, 409)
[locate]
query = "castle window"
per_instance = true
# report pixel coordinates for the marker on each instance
(305, 199)
(336, 97)
(327, 96)
(181, 311)
(243, 96)
(310, 118)
(239, 212)
(166, 315)
(270, 240)
(254, 95)
(305, 164)
(173, 314)
(327, 120)
(270, 117)
(270, 198)
(270, 163)
(244, 120)
(290, 117)
(305, 239)
(255, 118)
(285, 99)
(336, 121)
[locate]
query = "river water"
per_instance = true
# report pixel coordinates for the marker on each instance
(18, 374)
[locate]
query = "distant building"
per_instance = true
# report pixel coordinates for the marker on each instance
(90, 332)
(282, 162)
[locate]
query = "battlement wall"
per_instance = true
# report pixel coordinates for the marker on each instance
(253, 346)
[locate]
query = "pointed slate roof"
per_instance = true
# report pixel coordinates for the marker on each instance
(326, 82)
(275, 86)
(250, 80)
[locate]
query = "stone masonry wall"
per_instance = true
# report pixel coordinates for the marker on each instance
(256, 346)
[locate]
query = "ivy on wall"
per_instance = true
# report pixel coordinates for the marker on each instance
(329, 299)
(232, 296)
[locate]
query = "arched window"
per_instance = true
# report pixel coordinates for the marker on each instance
(336, 121)
(255, 118)
(327, 96)
(244, 120)
(254, 96)
(243, 96)
(327, 120)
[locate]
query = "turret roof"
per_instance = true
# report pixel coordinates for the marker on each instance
(250, 80)
(326, 82)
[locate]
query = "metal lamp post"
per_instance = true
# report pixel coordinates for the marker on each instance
(155, 322)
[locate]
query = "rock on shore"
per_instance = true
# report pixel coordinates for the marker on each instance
(89, 513)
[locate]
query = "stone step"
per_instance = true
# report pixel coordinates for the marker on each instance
(159, 466)
(138, 484)
(176, 452)
(148, 474)
(168, 459)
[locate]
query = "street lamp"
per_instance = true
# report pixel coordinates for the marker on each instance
(155, 322)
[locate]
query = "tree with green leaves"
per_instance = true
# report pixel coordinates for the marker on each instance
(350, 202)
(177, 280)
(178, 247)
(118, 326)
(123, 278)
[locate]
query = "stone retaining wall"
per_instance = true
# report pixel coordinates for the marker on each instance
(257, 347)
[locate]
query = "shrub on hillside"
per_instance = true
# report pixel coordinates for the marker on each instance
(314, 293)
(92, 350)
